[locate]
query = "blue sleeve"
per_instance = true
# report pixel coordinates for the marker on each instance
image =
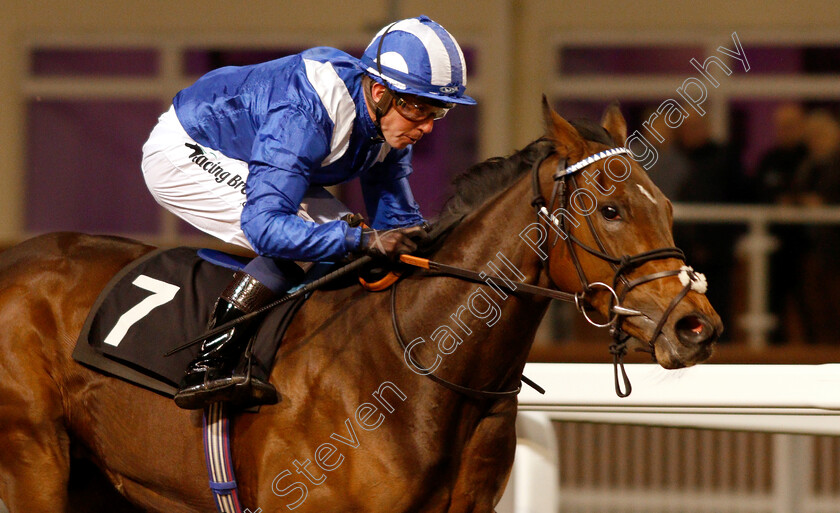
(288, 145)
(388, 198)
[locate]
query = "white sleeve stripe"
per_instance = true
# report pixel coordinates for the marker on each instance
(337, 101)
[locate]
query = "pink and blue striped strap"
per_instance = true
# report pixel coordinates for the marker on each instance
(218, 457)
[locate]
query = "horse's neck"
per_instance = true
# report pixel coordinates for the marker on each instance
(496, 331)
(494, 228)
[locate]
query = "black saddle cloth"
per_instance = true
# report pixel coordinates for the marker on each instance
(156, 303)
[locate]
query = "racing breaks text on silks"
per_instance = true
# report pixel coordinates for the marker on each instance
(207, 163)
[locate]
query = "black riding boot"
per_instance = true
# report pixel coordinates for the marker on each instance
(224, 369)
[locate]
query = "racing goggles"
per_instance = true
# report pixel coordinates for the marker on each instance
(415, 109)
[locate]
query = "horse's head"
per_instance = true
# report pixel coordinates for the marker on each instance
(612, 225)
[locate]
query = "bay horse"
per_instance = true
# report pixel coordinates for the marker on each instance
(359, 427)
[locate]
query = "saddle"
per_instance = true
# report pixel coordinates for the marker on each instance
(157, 303)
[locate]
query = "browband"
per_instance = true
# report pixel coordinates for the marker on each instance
(589, 160)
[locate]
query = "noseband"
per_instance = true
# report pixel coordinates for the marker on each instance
(621, 286)
(565, 180)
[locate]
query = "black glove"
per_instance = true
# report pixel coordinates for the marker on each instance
(353, 220)
(392, 243)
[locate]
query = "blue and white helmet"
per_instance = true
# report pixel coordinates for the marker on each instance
(418, 56)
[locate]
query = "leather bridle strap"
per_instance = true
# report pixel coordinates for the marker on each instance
(471, 275)
(620, 265)
(482, 395)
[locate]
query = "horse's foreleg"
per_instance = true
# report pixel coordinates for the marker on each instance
(34, 466)
(34, 446)
(486, 462)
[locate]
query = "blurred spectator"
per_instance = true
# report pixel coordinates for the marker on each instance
(817, 182)
(714, 176)
(775, 171)
(671, 169)
(773, 184)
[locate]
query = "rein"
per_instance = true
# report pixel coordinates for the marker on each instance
(472, 393)
(564, 179)
(473, 276)
(303, 290)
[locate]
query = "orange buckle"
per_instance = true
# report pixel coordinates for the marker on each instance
(381, 284)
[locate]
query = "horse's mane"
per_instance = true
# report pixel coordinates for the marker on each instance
(486, 179)
(592, 131)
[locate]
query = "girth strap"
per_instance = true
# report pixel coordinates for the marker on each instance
(218, 458)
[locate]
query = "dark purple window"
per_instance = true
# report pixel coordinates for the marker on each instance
(198, 61)
(635, 112)
(627, 60)
(84, 166)
(789, 59)
(94, 62)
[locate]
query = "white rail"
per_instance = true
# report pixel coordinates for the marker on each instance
(756, 247)
(782, 399)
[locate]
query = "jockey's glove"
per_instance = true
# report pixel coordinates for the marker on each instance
(392, 243)
(353, 220)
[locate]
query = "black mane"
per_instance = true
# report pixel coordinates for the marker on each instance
(592, 131)
(483, 180)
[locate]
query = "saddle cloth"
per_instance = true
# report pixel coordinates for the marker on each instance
(156, 303)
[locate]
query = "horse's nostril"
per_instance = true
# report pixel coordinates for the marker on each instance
(694, 329)
(694, 325)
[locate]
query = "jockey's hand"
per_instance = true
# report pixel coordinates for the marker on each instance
(392, 243)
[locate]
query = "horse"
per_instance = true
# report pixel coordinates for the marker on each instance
(361, 426)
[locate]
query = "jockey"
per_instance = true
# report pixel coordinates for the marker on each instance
(244, 154)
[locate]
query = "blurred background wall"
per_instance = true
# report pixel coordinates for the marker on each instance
(83, 82)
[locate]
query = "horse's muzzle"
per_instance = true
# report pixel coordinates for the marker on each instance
(696, 329)
(694, 337)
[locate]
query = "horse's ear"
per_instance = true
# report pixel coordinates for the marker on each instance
(566, 139)
(614, 123)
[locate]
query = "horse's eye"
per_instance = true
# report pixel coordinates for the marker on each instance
(610, 213)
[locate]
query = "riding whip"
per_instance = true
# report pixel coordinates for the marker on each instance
(302, 291)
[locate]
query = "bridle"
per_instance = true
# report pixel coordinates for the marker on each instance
(565, 181)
